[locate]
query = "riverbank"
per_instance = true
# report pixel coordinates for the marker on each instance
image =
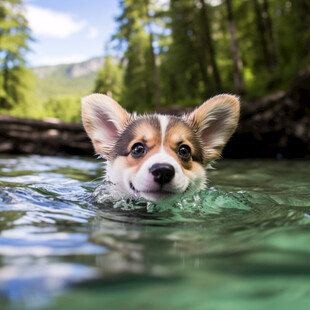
(274, 126)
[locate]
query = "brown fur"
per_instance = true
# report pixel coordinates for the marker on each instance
(179, 132)
(218, 114)
(114, 131)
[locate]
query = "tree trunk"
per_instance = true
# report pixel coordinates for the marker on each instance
(155, 74)
(238, 79)
(201, 62)
(153, 59)
(262, 35)
(273, 126)
(269, 28)
(50, 137)
(209, 45)
(3, 101)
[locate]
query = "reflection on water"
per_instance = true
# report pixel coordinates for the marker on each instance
(244, 242)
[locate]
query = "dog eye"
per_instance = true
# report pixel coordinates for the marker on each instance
(184, 151)
(138, 150)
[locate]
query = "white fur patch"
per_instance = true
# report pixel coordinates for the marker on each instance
(105, 121)
(164, 121)
(142, 182)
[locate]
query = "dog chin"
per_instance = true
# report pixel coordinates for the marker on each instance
(156, 195)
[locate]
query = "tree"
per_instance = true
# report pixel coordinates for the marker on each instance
(185, 52)
(293, 35)
(149, 21)
(109, 79)
(270, 35)
(238, 79)
(209, 44)
(184, 63)
(262, 35)
(15, 79)
(141, 76)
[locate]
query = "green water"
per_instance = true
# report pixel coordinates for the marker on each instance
(244, 243)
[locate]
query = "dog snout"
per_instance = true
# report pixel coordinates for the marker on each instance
(163, 173)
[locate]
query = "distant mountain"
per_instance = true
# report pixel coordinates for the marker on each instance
(69, 79)
(71, 70)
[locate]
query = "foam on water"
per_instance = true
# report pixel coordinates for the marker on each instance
(199, 207)
(209, 201)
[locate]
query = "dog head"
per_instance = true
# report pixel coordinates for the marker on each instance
(159, 156)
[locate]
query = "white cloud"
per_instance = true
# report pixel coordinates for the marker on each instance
(50, 23)
(56, 60)
(93, 33)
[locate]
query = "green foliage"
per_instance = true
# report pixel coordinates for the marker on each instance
(141, 89)
(184, 68)
(175, 54)
(59, 83)
(59, 94)
(272, 41)
(16, 81)
(109, 79)
(19, 96)
(66, 108)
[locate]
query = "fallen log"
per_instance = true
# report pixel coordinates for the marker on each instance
(276, 126)
(45, 137)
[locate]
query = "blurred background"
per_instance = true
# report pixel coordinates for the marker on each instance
(154, 55)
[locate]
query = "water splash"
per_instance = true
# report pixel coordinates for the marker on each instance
(209, 201)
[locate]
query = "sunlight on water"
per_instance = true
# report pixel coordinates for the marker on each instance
(67, 238)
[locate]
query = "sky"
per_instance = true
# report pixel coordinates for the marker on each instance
(69, 31)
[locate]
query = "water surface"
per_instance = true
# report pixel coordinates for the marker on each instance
(242, 243)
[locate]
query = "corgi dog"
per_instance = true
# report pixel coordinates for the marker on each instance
(156, 156)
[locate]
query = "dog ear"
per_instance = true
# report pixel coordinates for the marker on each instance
(215, 121)
(103, 119)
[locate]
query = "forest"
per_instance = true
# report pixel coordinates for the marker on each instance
(176, 53)
(196, 49)
(186, 51)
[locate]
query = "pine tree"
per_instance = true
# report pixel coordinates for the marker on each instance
(262, 35)
(149, 21)
(141, 88)
(266, 43)
(15, 79)
(205, 20)
(270, 34)
(184, 67)
(109, 79)
(238, 78)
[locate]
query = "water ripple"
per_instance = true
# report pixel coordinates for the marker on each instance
(247, 233)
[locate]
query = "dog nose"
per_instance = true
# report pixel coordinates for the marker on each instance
(163, 173)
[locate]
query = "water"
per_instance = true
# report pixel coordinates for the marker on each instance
(244, 243)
